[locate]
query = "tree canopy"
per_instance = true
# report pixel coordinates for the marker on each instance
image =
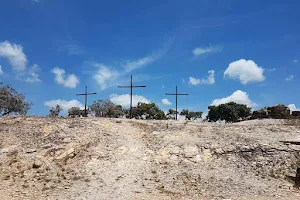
(147, 111)
(190, 115)
(171, 114)
(105, 108)
(230, 112)
(54, 112)
(12, 102)
(75, 112)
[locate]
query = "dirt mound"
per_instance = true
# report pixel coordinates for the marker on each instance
(92, 158)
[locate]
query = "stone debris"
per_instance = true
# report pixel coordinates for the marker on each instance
(96, 158)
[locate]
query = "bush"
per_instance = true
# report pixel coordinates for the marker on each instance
(190, 115)
(75, 112)
(12, 102)
(54, 112)
(230, 112)
(147, 111)
(171, 114)
(105, 108)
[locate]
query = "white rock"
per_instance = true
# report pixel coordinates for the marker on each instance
(190, 151)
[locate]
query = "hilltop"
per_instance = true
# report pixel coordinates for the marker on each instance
(100, 158)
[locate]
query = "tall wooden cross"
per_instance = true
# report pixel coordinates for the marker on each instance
(131, 86)
(85, 99)
(176, 94)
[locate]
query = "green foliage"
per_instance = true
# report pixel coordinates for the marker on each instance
(230, 112)
(75, 112)
(171, 114)
(147, 111)
(54, 112)
(190, 115)
(105, 108)
(12, 102)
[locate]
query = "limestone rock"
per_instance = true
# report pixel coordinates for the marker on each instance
(190, 151)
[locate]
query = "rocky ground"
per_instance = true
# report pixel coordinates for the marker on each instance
(95, 158)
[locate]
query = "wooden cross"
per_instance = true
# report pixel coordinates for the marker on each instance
(131, 86)
(176, 94)
(85, 102)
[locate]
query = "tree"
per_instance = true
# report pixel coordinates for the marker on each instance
(230, 112)
(75, 112)
(54, 112)
(190, 115)
(147, 111)
(12, 102)
(105, 108)
(171, 114)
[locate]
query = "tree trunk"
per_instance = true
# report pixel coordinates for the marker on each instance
(6, 113)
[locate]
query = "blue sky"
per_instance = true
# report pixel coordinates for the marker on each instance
(215, 50)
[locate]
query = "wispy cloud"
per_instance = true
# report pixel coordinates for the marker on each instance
(289, 78)
(135, 64)
(105, 76)
(166, 102)
(72, 49)
(108, 76)
(32, 75)
(270, 69)
(204, 50)
(295, 61)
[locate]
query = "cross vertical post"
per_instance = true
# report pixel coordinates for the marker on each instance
(176, 94)
(131, 93)
(85, 99)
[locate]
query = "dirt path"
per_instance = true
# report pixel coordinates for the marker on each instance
(117, 173)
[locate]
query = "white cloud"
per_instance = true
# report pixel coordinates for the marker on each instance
(70, 81)
(295, 61)
(124, 99)
(292, 107)
(210, 79)
(132, 65)
(289, 78)
(65, 105)
(237, 97)
(245, 70)
(203, 50)
(1, 71)
(105, 76)
(32, 74)
(166, 102)
(15, 55)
